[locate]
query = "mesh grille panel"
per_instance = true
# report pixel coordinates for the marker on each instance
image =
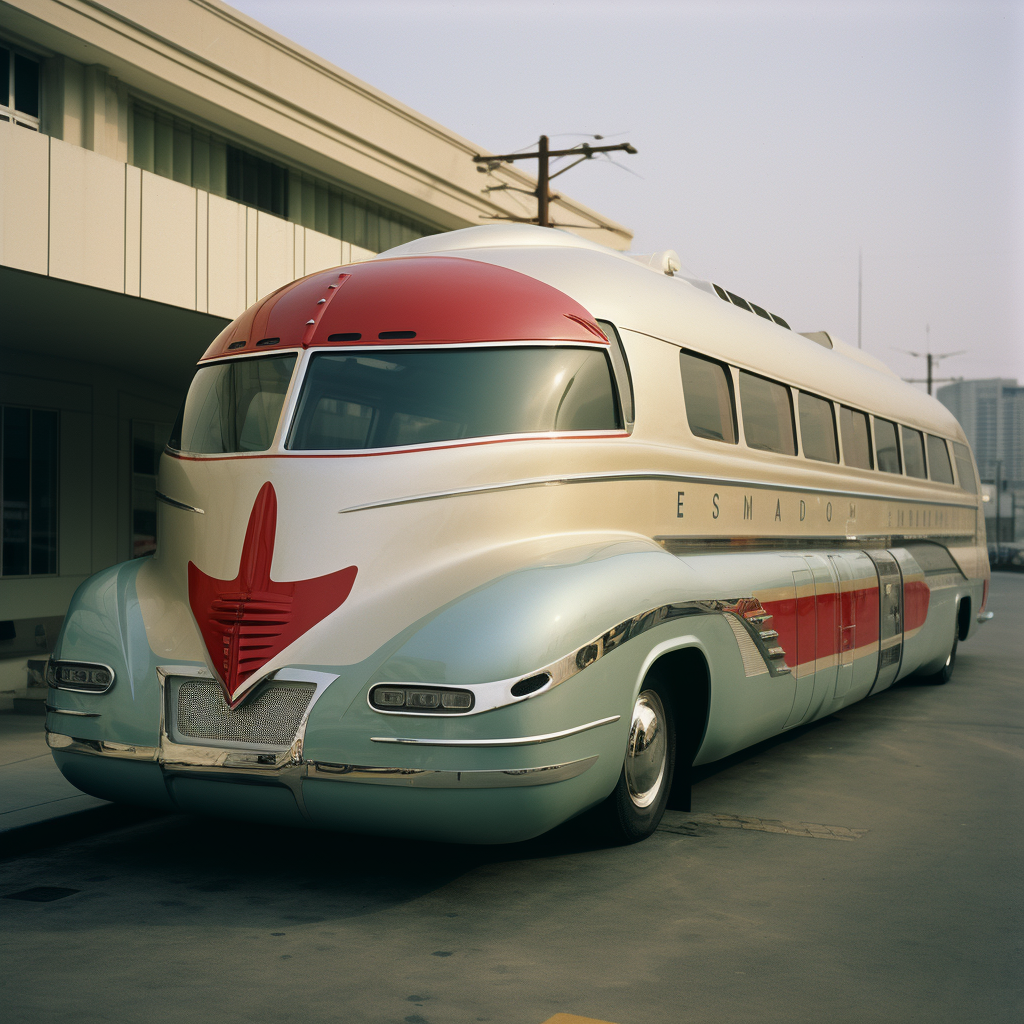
(270, 717)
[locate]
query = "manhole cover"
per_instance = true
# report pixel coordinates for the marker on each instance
(42, 894)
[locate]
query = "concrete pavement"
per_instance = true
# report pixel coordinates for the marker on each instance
(865, 869)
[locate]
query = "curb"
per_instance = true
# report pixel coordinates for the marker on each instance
(70, 827)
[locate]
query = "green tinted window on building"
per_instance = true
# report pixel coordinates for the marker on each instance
(173, 148)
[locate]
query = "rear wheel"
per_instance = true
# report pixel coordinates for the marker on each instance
(946, 672)
(634, 809)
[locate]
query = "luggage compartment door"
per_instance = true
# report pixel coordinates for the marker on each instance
(890, 626)
(845, 623)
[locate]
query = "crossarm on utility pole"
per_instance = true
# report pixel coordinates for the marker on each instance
(543, 156)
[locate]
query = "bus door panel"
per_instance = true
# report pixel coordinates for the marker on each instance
(918, 642)
(864, 613)
(845, 623)
(826, 597)
(801, 659)
(890, 619)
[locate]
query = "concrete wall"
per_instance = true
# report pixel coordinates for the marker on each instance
(75, 214)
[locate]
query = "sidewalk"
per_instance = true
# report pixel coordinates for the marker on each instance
(37, 804)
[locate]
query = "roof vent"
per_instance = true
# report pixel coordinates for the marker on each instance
(818, 337)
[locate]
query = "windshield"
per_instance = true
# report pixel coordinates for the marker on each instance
(415, 397)
(233, 407)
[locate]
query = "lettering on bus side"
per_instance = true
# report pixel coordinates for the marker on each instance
(748, 506)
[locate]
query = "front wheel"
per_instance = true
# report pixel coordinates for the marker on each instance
(634, 808)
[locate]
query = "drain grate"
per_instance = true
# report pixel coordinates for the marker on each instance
(41, 894)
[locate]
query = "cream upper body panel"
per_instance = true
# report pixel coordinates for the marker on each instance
(635, 297)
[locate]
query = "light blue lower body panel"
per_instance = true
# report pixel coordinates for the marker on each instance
(111, 778)
(452, 816)
(506, 813)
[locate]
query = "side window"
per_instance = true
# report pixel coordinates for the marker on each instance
(913, 452)
(886, 447)
(939, 468)
(620, 367)
(707, 392)
(965, 468)
(818, 428)
(767, 413)
(856, 433)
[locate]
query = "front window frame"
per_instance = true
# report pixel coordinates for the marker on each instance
(293, 396)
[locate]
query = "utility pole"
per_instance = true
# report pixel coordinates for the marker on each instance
(999, 502)
(860, 291)
(543, 156)
(933, 361)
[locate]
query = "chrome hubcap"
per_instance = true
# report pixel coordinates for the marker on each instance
(647, 750)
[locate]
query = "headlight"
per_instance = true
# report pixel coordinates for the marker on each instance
(421, 699)
(83, 676)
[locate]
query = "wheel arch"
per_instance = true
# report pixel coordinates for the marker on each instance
(682, 665)
(963, 616)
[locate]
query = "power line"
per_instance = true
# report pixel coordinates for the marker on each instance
(543, 155)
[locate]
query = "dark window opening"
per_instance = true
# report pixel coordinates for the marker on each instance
(767, 410)
(939, 468)
(913, 452)
(620, 365)
(886, 447)
(19, 89)
(29, 458)
(707, 394)
(256, 182)
(965, 468)
(818, 428)
(856, 432)
(233, 407)
(402, 398)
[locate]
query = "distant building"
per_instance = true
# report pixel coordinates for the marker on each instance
(162, 166)
(992, 414)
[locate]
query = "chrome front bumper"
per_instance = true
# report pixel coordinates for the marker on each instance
(215, 762)
(288, 766)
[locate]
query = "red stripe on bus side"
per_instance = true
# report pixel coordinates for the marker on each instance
(808, 626)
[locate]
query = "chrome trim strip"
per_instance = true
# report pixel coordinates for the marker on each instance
(512, 741)
(586, 478)
(104, 748)
(489, 696)
(226, 763)
(426, 778)
(78, 714)
(986, 616)
(160, 496)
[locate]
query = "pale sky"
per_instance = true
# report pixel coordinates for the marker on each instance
(776, 139)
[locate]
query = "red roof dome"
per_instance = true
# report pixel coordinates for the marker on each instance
(408, 300)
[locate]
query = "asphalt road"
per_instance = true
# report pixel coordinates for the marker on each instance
(908, 910)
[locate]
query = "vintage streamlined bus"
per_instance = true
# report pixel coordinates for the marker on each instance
(502, 527)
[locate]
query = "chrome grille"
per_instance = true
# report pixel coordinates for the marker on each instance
(269, 717)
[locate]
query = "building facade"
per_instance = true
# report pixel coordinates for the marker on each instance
(162, 166)
(992, 414)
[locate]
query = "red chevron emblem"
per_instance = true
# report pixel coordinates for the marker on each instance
(248, 620)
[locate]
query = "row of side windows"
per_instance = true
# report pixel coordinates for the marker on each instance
(769, 424)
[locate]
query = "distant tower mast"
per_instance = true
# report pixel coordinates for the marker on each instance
(860, 291)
